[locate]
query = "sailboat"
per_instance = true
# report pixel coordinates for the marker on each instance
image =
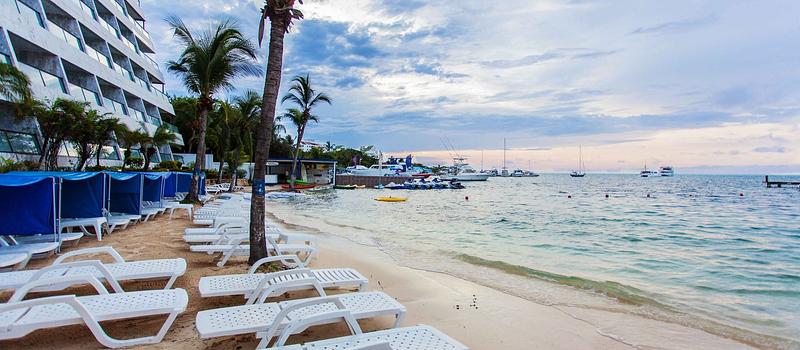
(581, 172)
(504, 172)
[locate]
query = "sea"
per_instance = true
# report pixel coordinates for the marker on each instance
(719, 253)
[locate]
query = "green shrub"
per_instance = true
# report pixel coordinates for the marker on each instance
(136, 162)
(7, 165)
(170, 165)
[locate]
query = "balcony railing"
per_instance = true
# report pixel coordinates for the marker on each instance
(42, 78)
(139, 115)
(85, 94)
(86, 8)
(152, 62)
(140, 28)
(29, 12)
(143, 83)
(99, 57)
(171, 127)
(153, 120)
(109, 27)
(118, 6)
(129, 44)
(65, 35)
(122, 71)
(115, 106)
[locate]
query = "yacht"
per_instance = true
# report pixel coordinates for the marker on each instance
(666, 171)
(647, 173)
(518, 173)
(530, 174)
(461, 171)
(581, 172)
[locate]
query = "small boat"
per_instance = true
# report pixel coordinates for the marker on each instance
(666, 171)
(379, 186)
(391, 199)
(346, 187)
(284, 195)
(298, 186)
(394, 186)
(421, 175)
(321, 189)
(518, 173)
(581, 172)
(647, 173)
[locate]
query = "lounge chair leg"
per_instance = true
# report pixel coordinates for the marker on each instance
(399, 319)
(171, 281)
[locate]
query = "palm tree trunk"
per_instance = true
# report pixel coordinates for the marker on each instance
(200, 156)
(99, 149)
(146, 159)
(272, 83)
(300, 131)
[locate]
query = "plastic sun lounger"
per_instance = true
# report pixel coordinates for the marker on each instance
(96, 223)
(267, 319)
(14, 260)
(234, 247)
(73, 238)
(35, 249)
(419, 337)
(19, 317)
(118, 271)
(172, 206)
(250, 283)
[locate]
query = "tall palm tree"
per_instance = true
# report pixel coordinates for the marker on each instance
(280, 14)
(209, 64)
(106, 130)
(162, 136)
(302, 95)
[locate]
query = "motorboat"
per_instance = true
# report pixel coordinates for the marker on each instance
(518, 173)
(666, 171)
(647, 173)
(530, 174)
(461, 171)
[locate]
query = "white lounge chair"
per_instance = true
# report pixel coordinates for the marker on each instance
(268, 319)
(253, 285)
(20, 317)
(172, 206)
(96, 223)
(234, 247)
(73, 238)
(9, 245)
(419, 337)
(14, 260)
(118, 271)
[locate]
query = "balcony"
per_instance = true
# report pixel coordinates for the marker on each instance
(70, 38)
(122, 71)
(171, 127)
(99, 57)
(115, 106)
(129, 44)
(143, 83)
(86, 8)
(41, 78)
(84, 94)
(29, 12)
(109, 28)
(139, 115)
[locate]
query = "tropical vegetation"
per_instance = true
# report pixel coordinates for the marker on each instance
(209, 63)
(304, 97)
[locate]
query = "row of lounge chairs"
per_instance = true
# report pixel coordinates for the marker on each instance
(273, 322)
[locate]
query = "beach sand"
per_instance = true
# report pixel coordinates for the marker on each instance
(478, 316)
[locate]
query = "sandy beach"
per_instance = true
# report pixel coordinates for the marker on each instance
(478, 316)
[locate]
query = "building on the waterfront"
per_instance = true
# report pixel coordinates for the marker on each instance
(307, 145)
(97, 51)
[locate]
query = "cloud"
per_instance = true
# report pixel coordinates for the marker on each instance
(676, 26)
(774, 149)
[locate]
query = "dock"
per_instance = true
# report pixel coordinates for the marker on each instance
(779, 184)
(370, 181)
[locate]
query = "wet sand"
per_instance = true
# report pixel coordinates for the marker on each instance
(478, 316)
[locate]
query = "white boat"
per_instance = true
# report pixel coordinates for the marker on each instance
(461, 171)
(581, 172)
(666, 171)
(647, 173)
(529, 172)
(376, 170)
(518, 173)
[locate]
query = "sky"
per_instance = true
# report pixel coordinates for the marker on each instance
(704, 86)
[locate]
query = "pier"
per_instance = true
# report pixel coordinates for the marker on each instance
(779, 184)
(370, 181)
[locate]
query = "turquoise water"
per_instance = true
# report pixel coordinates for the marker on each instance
(694, 245)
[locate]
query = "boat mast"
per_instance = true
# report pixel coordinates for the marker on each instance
(504, 153)
(481, 160)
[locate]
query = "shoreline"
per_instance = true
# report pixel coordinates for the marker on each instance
(605, 318)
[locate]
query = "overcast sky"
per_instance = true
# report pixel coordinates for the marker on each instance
(706, 86)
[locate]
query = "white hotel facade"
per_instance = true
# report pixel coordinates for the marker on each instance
(96, 51)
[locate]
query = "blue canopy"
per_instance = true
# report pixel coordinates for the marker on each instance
(153, 187)
(184, 182)
(29, 205)
(170, 184)
(83, 195)
(125, 193)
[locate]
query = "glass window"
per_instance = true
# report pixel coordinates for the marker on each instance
(108, 152)
(165, 156)
(136, 153)
(68, 150)
(4, 145)
(22, 143)
(178, 158)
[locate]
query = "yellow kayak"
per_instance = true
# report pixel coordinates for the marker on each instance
(391, 199)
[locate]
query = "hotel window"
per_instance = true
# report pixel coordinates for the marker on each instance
(17, 142)
(108, 152)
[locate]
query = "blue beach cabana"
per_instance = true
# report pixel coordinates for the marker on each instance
(184, 182)
(153, 190)
(82, 195)
(125, 193)
(170, 184)
(29, 205)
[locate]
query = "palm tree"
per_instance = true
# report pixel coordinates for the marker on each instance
(105, 131)
(131, 138)
(162, 136)
(15, 87)
(280, 13)
(84, 134)
(303, 96)
(209, 64)
(249, 107)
